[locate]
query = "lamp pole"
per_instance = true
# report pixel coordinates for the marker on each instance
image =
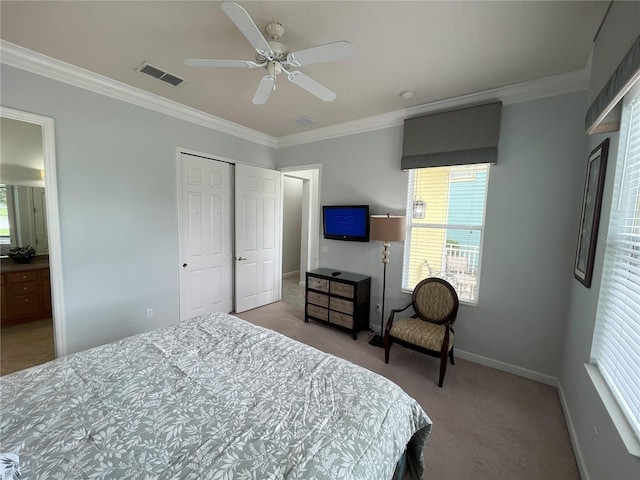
(387, 228)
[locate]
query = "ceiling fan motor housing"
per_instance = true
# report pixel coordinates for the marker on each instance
(280, 52)
(274, 31)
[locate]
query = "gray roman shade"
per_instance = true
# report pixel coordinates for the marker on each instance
(459, 137)
(615, 65)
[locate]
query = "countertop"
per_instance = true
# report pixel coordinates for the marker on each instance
(8, 266)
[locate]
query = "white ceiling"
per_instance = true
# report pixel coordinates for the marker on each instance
(441, 50)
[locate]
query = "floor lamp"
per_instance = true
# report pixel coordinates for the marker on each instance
(387, 228)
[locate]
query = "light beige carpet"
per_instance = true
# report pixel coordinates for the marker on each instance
(487, 424)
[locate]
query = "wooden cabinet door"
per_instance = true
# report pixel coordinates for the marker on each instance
(4, 311)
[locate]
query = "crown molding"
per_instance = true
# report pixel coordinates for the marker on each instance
(25, 59)
(575, 81)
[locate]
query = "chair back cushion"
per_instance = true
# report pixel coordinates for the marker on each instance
(435, 300)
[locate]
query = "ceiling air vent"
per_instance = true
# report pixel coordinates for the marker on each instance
(160, 74)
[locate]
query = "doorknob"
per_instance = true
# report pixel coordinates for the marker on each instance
(241, 258)
(184, 265)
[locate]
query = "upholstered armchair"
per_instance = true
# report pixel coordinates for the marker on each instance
(430, 329)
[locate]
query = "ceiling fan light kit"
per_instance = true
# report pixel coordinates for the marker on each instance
(275, 57)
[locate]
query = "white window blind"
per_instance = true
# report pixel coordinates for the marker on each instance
(616, 341)
(445, 225)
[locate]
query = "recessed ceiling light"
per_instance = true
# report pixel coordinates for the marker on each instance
(304, 121)
(407, 94)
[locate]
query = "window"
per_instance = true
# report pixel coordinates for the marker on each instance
(5, 230)
(445, 223)
(616, 340)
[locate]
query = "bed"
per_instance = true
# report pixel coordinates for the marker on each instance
(214, 397)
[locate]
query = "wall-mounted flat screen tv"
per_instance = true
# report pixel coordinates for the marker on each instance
(346, 222)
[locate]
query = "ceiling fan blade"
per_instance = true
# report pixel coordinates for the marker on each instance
(322, 53)
(204, 62)
(265, 87)
(311, 86)
(242, 20)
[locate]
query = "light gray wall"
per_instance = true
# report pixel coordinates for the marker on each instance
(116, 168)
(532, 214)
(533, 209)
(359, 169)
(604, 454)
(291, 224)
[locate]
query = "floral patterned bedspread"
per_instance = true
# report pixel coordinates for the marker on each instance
(210, 398)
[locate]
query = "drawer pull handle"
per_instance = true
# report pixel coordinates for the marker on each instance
(25, 288)
(24, 276)
(26, 299)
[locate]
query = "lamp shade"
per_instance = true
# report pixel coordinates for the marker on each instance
(388, 228)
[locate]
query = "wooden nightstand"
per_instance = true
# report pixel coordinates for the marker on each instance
(338, 298)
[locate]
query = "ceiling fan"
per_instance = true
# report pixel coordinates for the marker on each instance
(276, 58)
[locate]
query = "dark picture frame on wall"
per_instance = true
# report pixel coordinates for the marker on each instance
(590, 217)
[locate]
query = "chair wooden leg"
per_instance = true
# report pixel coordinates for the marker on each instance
(451, 356)
(443, 367)
(387, 347)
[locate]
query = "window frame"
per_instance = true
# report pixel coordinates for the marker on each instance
(411, 225)
(607, 393)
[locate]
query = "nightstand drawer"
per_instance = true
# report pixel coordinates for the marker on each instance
(342, 289)
(341, 319)
(319, 284)
(318, 299)
(341, 305)
(318, 312)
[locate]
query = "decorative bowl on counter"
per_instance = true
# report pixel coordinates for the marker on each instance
(22, 254)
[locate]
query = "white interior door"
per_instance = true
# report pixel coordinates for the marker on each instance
(205, 236)
(258, 230)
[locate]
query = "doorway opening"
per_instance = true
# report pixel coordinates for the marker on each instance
(32, 309)
(301, 223)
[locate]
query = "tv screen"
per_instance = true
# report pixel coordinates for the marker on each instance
(346, 222)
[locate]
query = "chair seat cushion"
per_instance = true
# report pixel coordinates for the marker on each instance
(418, 332)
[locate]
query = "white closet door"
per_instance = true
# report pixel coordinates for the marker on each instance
(258, 229)
(205, 236)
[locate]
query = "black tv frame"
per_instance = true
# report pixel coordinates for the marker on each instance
(348, 238)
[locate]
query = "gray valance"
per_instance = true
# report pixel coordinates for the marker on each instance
(615, 65)
(622, 79)
(459, 137)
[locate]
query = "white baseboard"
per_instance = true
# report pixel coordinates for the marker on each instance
(506, 367)
(290, 274)
(584, 474)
